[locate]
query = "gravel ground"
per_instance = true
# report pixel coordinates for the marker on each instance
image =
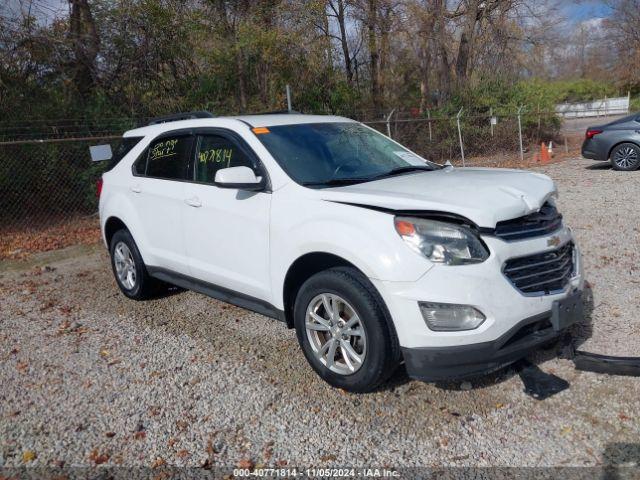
(89, 377)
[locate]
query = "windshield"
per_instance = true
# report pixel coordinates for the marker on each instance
(325, 154)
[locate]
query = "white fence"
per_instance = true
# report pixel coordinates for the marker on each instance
(597, 108)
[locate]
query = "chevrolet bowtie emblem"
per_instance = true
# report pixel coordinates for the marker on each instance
(553, 241)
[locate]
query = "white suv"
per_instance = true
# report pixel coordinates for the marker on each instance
(373, 254)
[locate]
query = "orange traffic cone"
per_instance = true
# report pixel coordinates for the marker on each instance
(544, 154)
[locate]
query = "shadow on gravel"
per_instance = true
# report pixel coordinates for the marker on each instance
(620, 461)
(562, 348)
(599, 166)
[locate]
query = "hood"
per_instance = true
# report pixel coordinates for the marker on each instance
(485, 196)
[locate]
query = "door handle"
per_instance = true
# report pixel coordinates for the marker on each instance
(193, 202)
(136, 188)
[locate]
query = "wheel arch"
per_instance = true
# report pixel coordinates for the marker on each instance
(617, 144)
(307, 265)
(301, 270)
(111, 226)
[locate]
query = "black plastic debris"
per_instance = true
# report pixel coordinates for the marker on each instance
(594, 362)
(538, 384)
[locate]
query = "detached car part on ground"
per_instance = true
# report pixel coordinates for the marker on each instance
(375, 255)
(618, 141)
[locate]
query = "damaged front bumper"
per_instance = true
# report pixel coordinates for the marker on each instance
(464, 361)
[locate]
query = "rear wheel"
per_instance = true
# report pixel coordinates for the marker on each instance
(342, 328)
(625, 157)
(129, 269)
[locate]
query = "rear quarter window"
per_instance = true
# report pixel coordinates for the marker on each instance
(123, 147)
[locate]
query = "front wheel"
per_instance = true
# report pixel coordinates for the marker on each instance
(625, 157)
(343, 329)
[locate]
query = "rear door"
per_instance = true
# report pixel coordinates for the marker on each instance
(157, 188)
(226, 229)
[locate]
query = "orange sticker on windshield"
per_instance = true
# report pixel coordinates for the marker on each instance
(260, 130)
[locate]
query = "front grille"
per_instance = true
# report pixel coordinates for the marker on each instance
(543, 273)
(542, 222)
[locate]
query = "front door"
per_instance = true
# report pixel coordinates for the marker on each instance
(226, 229)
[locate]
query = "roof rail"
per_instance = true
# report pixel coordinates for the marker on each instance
(180, 116)
(275, 112)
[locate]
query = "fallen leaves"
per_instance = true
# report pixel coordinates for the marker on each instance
(67, 327)
(48, 305)
(105, 354)
(183, 453)
(22, 367)
(328, 458)
(139, 433)
(245, 463)
(98, 458)
(28, 456)
(19, 243)
(182, 425)
(267, 451)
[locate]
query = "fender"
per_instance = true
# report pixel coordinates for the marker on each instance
(365, 238)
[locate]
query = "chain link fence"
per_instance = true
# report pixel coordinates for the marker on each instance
(48, 184)
(479, 137)
(47, 195)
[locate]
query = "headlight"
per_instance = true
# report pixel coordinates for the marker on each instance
(441, 242)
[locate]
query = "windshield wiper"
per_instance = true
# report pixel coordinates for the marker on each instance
(336, 182)
(401, 170)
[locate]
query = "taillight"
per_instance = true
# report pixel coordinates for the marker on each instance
(592, 133)
(98, 187)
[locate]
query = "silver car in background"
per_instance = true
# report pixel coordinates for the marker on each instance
(618, 141)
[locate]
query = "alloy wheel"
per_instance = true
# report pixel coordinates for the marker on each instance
(626, 157)
(336, 333)
(125, 265)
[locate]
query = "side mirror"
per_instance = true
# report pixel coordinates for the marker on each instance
(100, 153)
(241, 178)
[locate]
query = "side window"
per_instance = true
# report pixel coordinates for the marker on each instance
(124, 146)
(215, 152)
(140, 165)
(167, 157)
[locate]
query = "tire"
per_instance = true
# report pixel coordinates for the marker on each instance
(625, 157)
(369, 335)
(138, 285)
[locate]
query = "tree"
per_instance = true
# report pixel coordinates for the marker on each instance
(624, 34)
(86, 43)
